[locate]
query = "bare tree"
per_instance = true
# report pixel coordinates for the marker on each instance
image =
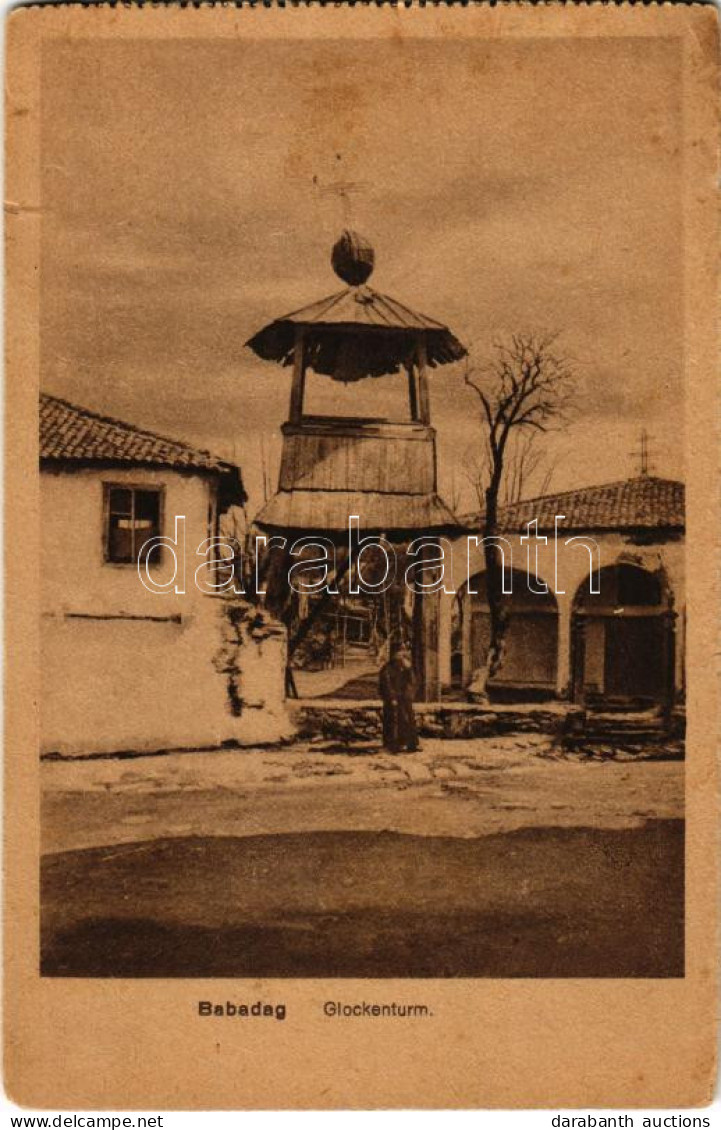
(527, 467)
(454, 492)
(527, 464)
(477, 473)
(525, 390)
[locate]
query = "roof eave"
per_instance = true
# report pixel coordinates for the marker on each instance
(70, 463)
(276, 341)
(581, 528)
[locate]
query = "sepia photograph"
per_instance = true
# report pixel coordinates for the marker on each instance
(362, 430)
(334, 742)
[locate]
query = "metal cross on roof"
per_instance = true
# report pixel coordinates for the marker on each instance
(644, 463)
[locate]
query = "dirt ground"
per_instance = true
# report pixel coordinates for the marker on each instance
(494, 857)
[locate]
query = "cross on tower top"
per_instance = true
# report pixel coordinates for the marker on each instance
(344, 190)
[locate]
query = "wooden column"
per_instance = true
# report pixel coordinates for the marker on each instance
(413, 389)
(680, 671)
(467, 637)
(446, 604)
(426, 623)
(578, 658)
(669, 621)
(424, 401)
(298, 386)
(431, 603)
(564, 660)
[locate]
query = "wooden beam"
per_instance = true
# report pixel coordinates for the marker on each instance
(412, 389)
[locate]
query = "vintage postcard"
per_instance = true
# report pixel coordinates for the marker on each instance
(362, 556)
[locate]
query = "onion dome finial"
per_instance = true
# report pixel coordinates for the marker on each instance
(353, 258)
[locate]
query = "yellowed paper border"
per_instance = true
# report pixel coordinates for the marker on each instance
(492, 1043)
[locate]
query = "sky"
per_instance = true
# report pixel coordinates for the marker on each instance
(506, 187)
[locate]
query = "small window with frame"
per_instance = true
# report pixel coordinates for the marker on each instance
(133, 515)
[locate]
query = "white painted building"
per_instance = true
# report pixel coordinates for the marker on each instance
(125, 668)
(624, 643)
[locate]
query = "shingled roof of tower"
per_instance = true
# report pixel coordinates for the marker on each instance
(362, 310)
(70, 434)
(644, 502)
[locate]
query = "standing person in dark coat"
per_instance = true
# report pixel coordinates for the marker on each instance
(396, 688)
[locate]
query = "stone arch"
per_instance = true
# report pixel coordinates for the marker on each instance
(622, 650)
(529, 669)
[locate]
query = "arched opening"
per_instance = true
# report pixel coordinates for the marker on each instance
(622, 650)
(529, 664)
(339, 640)
(345, 636)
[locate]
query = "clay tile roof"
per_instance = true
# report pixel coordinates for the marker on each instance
(69, 434)
(641, 503)
(362, 309)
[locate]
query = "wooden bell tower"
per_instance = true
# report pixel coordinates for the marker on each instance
(381, 468)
